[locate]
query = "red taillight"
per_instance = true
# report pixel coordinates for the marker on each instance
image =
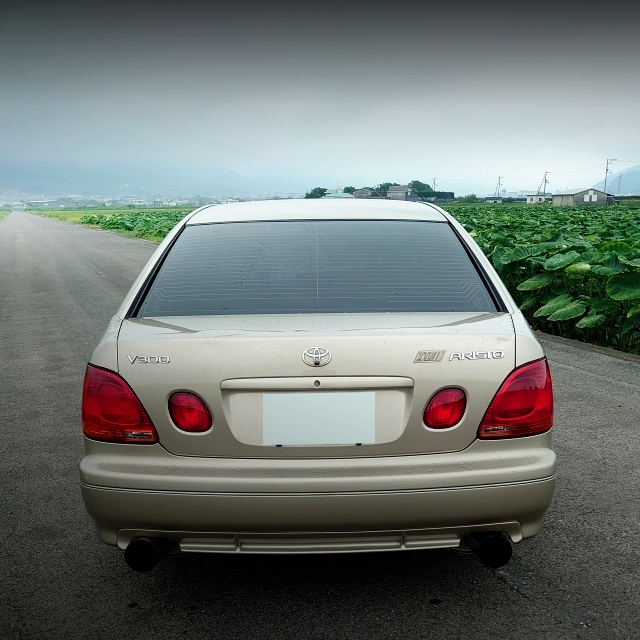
(111, 411)
(523, 405)
(189, 413)
(445, 409)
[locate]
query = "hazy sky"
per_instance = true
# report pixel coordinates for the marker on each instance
(288, 96)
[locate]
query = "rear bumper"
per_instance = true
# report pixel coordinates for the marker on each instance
(315, 505)
(319, 522)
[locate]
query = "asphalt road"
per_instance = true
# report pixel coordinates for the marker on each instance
(60, 284)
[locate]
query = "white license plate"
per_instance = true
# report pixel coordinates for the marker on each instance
(320, 418)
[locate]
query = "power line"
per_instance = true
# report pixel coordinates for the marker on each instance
(532, 175)
(563, 173)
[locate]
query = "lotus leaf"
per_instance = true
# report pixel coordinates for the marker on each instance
(579, 268)
(577, 242)
(536, 282)
(553, 305)
(560, 260)
(604, 304)
(588, 322)
(522, 253)
(601, 270)
(500, 254)
(530, 302)
(620, 248)
(558, 287)
(624, 286)
(572, 310)
(630, 263)
(589, 256)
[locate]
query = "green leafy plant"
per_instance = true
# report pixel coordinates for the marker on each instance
(574, 271)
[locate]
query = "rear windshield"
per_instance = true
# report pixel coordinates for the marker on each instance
(328, 266)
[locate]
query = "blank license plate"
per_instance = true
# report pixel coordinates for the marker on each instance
(321, 418)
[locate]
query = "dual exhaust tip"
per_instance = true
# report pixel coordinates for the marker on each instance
(492, 548)
(142, 554)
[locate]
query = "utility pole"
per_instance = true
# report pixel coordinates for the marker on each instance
(434, 183)
(607, 172)
(543, 185)
(498, 187)
(619, 178)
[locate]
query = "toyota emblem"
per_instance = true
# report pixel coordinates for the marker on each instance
(316, 357)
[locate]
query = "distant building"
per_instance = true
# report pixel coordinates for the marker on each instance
(337, 194)
(368, 193)
(438, 196)
(399, 192)
(582, 197)
(41, 204)
(536, 198)
(493, 199)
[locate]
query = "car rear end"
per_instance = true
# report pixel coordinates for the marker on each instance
(317, 377)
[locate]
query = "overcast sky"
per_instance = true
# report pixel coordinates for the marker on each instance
(270, 96)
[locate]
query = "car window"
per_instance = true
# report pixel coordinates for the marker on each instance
(328, 266)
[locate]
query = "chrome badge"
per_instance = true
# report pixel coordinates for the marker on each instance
(316, 357)
(429, 356)
(477, 355)
(149, 359)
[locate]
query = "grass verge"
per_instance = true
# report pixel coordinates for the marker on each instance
(152, 225)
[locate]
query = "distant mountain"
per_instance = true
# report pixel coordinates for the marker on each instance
(625, 182)
(122, 178)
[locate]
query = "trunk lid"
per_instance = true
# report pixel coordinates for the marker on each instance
(250, 371)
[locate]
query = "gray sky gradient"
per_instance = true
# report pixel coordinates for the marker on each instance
(284, 97)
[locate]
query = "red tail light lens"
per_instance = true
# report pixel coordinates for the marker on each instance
(445, 409)
(111, 411)
(523, 405)
(189, 413)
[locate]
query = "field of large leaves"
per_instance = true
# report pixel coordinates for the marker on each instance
(143, 224)
(574, 271)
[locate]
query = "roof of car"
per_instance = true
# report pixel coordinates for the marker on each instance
(313, 209)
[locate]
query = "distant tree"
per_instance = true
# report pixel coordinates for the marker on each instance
(318, 192)
(383, 187)
(416, 186)
(349, 190)
(470, 198)
(508, 200)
